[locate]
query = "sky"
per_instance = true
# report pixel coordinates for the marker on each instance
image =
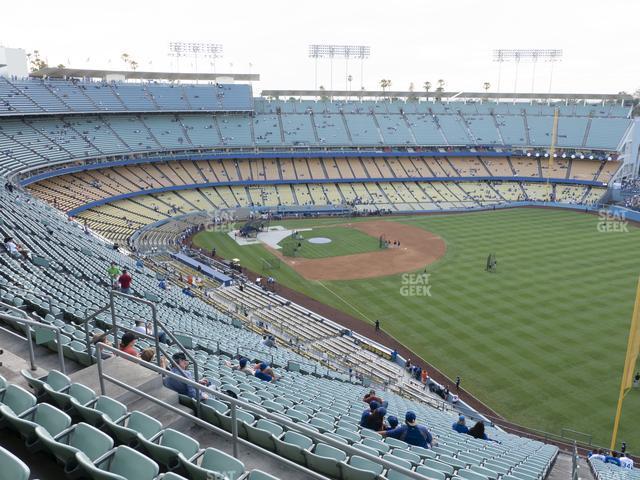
(412, 41)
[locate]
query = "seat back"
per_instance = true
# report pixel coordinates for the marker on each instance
(110, 407)
(12, 467)
(431, 473)
(132, 465)
(81, 393)
(144, 424)
(179, 441)
(364, 464)
(17, 399)
(57, 380)
(90, 440)
(271, 427)
(328, 451)
(53, 420)
(216, 461)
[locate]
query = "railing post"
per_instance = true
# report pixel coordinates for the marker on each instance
(32, 356)
(234, 429)
(87, 338)
(114, 324)
(100, 373)
(63, 369)
(154, 316)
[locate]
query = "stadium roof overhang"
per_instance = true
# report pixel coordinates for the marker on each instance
(55, 72)
(357, 94)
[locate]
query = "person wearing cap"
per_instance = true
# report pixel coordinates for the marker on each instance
(460, 426)
(411, 432)
(392, 422)
(373, 419)
(243, 366)
(183, 388)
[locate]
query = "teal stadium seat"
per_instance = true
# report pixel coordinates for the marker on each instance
(12, 467)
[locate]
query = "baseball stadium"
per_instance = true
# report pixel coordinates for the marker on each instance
(202, 278)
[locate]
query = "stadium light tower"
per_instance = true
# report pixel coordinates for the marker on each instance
(195, 49)
(361, 52)
(531, 55)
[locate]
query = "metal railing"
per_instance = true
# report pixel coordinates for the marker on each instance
(234, 405)
(21, 320)
(574, 463)
(157, 327)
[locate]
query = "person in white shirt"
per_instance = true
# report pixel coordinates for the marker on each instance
(626, 462)
(16, 250)
(140, 328)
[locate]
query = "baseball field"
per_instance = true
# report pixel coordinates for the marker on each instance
(541, 341)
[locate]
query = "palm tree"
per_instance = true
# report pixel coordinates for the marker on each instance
(36, 61)
(427, 86)
(440, 85)
(486, 86)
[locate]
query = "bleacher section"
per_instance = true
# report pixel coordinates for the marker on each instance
(318, 400)
(31, 96)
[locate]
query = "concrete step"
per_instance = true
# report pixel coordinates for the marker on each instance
(562, 469)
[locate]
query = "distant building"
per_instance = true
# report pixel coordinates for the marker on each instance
(13, 62)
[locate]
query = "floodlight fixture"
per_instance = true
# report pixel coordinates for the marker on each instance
(195, 50)
(321, 51)
(527, 55)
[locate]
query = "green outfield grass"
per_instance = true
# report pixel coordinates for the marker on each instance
(344, 241)
(542, 341)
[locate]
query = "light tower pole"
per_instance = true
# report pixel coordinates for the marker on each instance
(195, 49)
(317, 51)
(531, 55)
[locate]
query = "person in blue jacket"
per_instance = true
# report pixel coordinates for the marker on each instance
(460, 426)
(411, 432)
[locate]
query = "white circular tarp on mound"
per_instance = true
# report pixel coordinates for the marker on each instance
(319, 240)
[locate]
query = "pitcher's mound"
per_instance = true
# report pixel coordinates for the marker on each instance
(319, 240)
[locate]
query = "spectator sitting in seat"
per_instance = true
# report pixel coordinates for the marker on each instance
(392, 421)
(243, 366)
(128, 344)
(372, 397)
(460, 426)
(374, 419)
(597, 456)
(269, 341)
(626, 462)
(181, 369)
(102, 338)
(149, 355)
(187, 291)
(411, 432)
(612, 458)
(477, 431)
(15, 249)
(265, 373)
(139, 328)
